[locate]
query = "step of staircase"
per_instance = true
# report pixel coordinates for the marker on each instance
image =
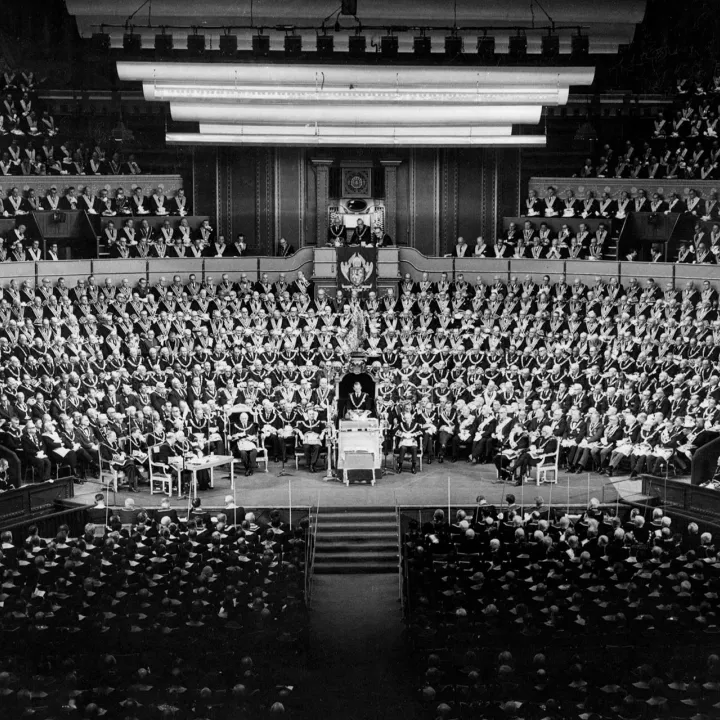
(351, 568)
(348, 538)
(356, 540)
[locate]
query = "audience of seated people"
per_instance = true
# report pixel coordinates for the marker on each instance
(507, 610)
(680, 143)
(574, 241)
(33, 156)
(620, 376)
(20, 110)
(178, 618)
(182, 240)
(106, 202)
(27, 132)
(581, 243)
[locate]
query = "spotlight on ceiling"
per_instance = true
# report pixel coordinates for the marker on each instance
(453, 45)
(357, 44)
(132, 43)
(228, 45)
(101, 41)
(261, 44)
(389, 46)
(196, 45)
(422, 45)
(517, 46)
(579, 46)
(325, 45)
(293, 45)
(550, 49)
(163, 44)
(486, 47)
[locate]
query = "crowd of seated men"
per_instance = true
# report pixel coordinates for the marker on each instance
(609, 208)
(35, 156)
(537, 240)
(529, 612)
(682, 143)
(17, 202)
(20, 112)
(173, 239)
(493, 373)
(171, 613)
(579, 242)
(612, 374)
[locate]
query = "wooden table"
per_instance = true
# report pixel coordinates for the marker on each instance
(209, 462)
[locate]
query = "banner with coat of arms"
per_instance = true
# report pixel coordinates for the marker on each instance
(357, 269)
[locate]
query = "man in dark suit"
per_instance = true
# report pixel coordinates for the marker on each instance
(358, 401)
(166, 511)
(461, 249)
(361, 234)
(308, 430)
(239, 247)
(34, 452)
(15, 204)
(337, 232)
(285, 249)
(244, 435)
(381, 238)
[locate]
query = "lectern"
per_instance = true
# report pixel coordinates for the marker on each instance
(359, 447)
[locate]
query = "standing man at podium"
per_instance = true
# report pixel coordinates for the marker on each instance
(358, 401)
(361, 234)
(337, 233)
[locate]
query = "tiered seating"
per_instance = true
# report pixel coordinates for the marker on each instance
(619, 376)
(531, 614)
(181, 619)
(680, 144)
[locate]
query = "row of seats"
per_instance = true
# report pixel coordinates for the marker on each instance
(148, 598)
(531, 612)
(622, 376)
(24, 157)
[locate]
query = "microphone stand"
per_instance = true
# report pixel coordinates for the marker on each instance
(330, 475)
(283, 472)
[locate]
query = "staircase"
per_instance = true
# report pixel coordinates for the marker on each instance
(356, 540)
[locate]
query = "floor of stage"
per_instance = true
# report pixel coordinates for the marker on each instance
(427, 487)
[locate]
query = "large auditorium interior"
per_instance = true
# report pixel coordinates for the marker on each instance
(380, 338)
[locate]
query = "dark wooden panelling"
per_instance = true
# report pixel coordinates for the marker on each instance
(204, 190)
(448, 199)
(424, 200)
(508, 193)
(290, 202)
(469, 190)
(242, 196)
(402, 224)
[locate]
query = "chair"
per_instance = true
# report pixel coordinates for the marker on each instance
(396, 453)
(56, 468)
(262, 456)
(160, 474)
(108, 474)
(543, 467)
(300, 455)
(27, 467)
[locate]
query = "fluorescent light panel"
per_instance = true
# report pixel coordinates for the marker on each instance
(370, 77)
(411, 140)
(356, 114)
(286, 94)
(339, 130)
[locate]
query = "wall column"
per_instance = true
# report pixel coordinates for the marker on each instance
(322, 187)
(391, 168)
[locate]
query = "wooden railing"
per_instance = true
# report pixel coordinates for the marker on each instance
(411, 261)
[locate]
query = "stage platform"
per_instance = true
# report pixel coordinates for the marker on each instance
(427, 487)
